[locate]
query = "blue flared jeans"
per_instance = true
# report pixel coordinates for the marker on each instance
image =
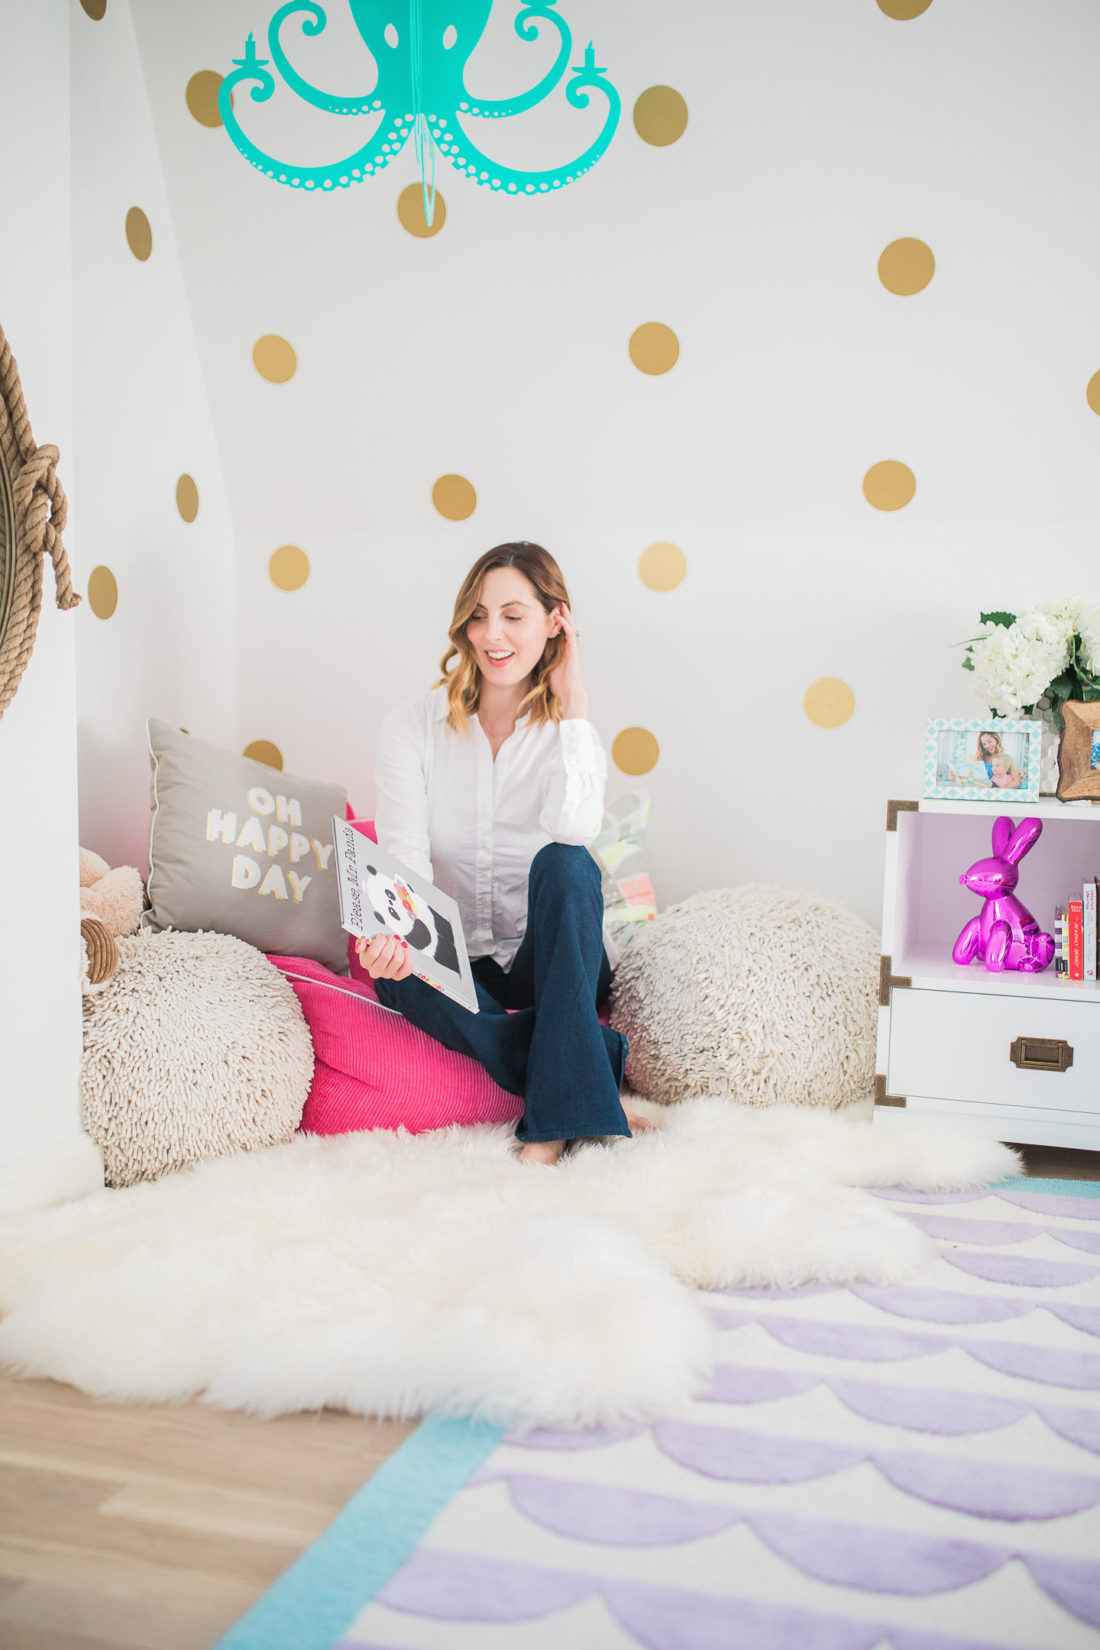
(552, 1050)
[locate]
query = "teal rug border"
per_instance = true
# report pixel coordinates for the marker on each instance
(1049, 1188)
(319, 1597)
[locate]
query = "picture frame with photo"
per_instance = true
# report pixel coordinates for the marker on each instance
(1079, 752)
(982, 759)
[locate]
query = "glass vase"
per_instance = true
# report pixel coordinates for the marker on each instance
(1048, 750)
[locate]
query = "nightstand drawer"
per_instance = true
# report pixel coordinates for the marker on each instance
(961, 1046)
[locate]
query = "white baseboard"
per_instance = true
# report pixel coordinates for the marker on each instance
(53, 1175)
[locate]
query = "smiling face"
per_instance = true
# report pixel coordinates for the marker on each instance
(509, 627)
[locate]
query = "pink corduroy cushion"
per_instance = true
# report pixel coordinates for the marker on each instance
(373, 1070)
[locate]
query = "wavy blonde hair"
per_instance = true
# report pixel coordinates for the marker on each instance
(461, 676)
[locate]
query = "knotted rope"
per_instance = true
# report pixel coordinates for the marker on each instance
(40, 510)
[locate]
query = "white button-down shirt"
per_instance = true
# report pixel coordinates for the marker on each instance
(472, 826)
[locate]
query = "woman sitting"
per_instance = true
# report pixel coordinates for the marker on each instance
(490, 786)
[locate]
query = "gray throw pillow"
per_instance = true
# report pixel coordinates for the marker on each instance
(241, 848)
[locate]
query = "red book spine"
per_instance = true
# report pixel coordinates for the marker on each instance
(1076, 940)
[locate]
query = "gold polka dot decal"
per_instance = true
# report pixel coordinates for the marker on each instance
(635, 750)
(187, 498)
(102, 592)
(410, 211)
(660, 116)
(262, 750)
(274, 359)
(654, 348)
(1093, 392)
(829, 702)
(202, 97)
(288, 567)
(906, 266)
(889, 485)
(139, 236)
(454, 497)
(662, 566)
(95, 9)
(903, 10)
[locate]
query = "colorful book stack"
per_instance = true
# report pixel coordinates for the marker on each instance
(1075, 940)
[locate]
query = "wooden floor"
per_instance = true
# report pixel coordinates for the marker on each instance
(154, 1528)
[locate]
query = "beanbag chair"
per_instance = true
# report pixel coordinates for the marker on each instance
(193, 1048)
(765, 994)
(373, 1070)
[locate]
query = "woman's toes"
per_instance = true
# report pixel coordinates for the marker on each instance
(542, 1151)
(637, 1124)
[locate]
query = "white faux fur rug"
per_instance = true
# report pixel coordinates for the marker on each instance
(389, 1273)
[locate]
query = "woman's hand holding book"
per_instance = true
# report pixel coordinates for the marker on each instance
(385, 957)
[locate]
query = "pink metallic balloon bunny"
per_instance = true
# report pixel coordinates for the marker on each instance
(1005, 934)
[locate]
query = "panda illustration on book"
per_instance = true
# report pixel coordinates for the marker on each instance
(397, 910)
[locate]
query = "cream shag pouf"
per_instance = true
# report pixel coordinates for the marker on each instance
(195, 1047)
(764, 994)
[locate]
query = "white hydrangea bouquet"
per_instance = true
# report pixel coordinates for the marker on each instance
(1030, 663)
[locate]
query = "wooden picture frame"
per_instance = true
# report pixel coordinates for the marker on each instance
(1079, 752)
(32, 516)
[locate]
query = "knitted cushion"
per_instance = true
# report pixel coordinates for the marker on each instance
(374, 1070)
(196, 1046)
(760, 993)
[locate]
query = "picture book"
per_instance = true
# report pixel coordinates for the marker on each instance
(1088, 931)
(379, 896)
(1076, 957)
(1077, 936)
(971, 775)
(1061, 943)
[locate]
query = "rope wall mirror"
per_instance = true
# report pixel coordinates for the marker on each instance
(33, 509)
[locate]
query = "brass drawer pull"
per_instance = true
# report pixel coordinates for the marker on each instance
(1041, 1054)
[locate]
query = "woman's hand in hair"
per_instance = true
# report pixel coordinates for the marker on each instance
(566, 680)
(385, 957)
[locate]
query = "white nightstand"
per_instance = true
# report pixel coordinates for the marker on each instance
(1016, 1051)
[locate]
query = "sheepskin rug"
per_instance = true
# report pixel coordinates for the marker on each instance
(755, 992)
(393, 1273)
(194, 1047)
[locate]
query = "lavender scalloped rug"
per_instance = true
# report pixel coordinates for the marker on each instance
(872, 1467)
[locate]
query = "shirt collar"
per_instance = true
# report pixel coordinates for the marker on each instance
(441, 705)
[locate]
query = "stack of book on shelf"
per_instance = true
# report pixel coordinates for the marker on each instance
(1075, 953)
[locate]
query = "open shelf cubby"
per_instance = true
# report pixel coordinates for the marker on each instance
(926, 906)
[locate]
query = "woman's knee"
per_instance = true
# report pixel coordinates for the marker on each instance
(566, 865)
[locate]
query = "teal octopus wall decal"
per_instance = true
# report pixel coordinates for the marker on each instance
(420, 49)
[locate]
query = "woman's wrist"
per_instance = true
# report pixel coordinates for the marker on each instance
(574, 707)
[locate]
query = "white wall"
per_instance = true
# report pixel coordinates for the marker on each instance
(498, 350)
(42, 1150)
(142, 421)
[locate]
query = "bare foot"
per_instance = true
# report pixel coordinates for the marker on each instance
(542, 1151)
(638, 1124)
